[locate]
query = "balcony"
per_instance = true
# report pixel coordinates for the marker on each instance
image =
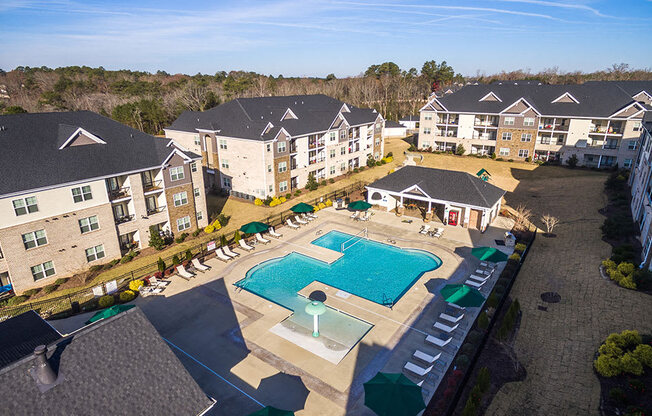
(314, 160)
(155, 210)
(124, 218)
(485, 122)
(119, 193)
(152, 186)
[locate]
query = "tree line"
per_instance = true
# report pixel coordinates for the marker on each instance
(150, 101)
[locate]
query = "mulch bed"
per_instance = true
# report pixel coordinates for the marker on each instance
(640, 400)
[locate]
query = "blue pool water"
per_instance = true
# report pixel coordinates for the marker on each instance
(375, 271)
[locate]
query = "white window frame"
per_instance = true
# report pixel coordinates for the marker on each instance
(95, 252)
(283, 186)
(269, 147)
(627, 163)
(197, 140)
(226, 182)
(281, 147)
(224, 163)
(426, 130)
(332, 153)
(342, 166)
(332, 169)
(81, 193)
(342, 151)
(89, 223)
(223, 144)
(36, 238)
(509, 121)
(26, 205)
(528, 122)
(507, 136)
(332, 136)
(632, 145)
(504, 151)
(427, 116)
(196, 192)
(526, 137)
(282, 167)
(45, 268)
(523, 153)
(177, 173)
(193, 167)
(180, 199)
(183, 223)
(200, 215)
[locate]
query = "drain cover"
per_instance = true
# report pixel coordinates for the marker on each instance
(542, 308)
(551, 297)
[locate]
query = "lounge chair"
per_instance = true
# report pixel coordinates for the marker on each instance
(427, 358)
(474, 284)
(486, 272)
(445, 327)
(420, 371)
(479, 279)
(312, 215)
(273, 233)
(260, 239)
(149, 290)
(244, 245)
(487, 264)
(181, 271)
(354, 216)
(197, 265)
(437, 232)
(220, 255)
(451, 314)
(154, 282)
(228, 252)
(366, 216)
(299, 220)
(291, 224)
(305, 217)
(424, 229)
(440, 341)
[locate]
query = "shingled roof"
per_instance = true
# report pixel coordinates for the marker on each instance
(116, 366)
(444, 185)
(33, 157)
(21, 334)
(247, 117)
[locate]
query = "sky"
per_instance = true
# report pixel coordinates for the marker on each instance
(316, 38)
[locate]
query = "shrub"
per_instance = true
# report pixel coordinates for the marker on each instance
(297, 192)
(459, 150)
(467, 349)
(476, 394)
(323, 183)
(96, 268)
(484, 379)
(629, 364)
(462, 361)
(643, 279)
(500, 159)
(196, 232)
(617, 395)
(470, 408)
(268, 200)
(356, 170)
(209, 229)
(188, 255)
(258, 202)
(615, 275)
(609, 265)
(329, 203)
(311, 183)
(16, 300)
(125, 259)
(636, 385)
(515, 257)
(572, 161)
(288, 196)
(528, 159)
(493, 155)
(282, 199)
(135, 285)
(520, 247)
(236, 236)
(160, 264)
(627, 282)
(155, 239)
(379, 163)
(331, 180)
(31, 292)
(607, 365)
(474, 336)
(127, 295)
(106, 301)
(626, 268)
(113, 262)
(483, 321)
(510, 160)
(493, 300)
(643, 353)
(50, 288)
(175, 260)
(60, 281)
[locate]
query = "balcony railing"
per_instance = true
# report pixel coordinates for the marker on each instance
(155, 210)
(124, 218)
(152, 186)
(484, 123)
(119, 193)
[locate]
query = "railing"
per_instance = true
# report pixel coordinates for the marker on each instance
(152, 186)
(124, 218)
(119, 193)
(155, 210)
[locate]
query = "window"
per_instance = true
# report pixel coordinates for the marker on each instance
(504, 151)
(528, 121)
(507, 136)
(332, 153)
(43, 270)
(89, 224)
(526, 137)
(636, 126)
(94, 253)
(226, 182)
(342, 134)
(200, 216)
(632, 145)
(509, 121)
(197, 140)
(627, 163)
(176, 173)
(544, 140)
(193, 167)
(34, 239)
(271, 188)
(269, 168)
(224, 163)
(560, 139)
(332, 170)
(82, 193)
(428, 116)
(426, 130)
(183, 223)
(24, 206)
(283, 186)
(180, 199)
(523, 153)
(269, 147)
(282, 167)
(196, 192)
(343, 167)
(281, 146)
(342, 150)
(332, 136)
(223, 144)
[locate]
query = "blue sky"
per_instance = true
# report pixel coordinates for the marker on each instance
(316, 38)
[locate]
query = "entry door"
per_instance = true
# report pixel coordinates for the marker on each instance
(453, 217)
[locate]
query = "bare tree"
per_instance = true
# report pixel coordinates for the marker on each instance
(550, 222)
(523, 215)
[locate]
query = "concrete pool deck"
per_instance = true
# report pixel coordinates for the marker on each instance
(230, 330)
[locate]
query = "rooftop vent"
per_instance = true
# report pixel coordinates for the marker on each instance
(3, 128)
(42, 372)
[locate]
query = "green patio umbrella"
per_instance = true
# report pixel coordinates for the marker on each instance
(359, 205)
(489, 254)
(272, 411)
(254, 227)
(462, 295)
(393, 395)
(109, 312)
(302, 207)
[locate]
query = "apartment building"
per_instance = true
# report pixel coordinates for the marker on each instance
(640, 181)
(267, 146)
(79, 189)
(598, 122)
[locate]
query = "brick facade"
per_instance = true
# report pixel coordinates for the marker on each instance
(516, 143)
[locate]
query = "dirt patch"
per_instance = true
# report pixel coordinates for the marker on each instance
(629, 398)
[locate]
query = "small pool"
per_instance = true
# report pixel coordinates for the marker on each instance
(375, 271)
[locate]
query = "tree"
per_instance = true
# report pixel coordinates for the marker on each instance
(311, 184)
(550, 222)
(438, 73)
(384, 69)
(459, 150)
(155, 239)
(14, 109)
(330, 77)
(572, 161)
(523, 215)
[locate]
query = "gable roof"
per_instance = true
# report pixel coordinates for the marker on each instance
(21, 334)
(247, 117)
(34, 156)
(393, 124)
(445, 185)
(117, 363)
(410, 118)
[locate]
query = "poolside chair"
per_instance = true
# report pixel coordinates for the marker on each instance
(487, 264)
(181, 271)
(424, 229)
(445, 327)
(290, 224)
(451, 314)
(220, 255)
(312, 215)
(154, 282)
(415, 369)
(244, 245)
(305, 217)
(149, 290)
(440, 341)
(273, 233)
(366, 216)
(485, 272)
(474, 284)
(228, 251)
(437, 232)
(354, 216)
(427, 358)
(479, 279)
(299, 220)
(197, 265)
(260, 239)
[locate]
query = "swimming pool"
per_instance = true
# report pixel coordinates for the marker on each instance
(375, 271)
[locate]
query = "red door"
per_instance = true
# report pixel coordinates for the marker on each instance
(452, 217)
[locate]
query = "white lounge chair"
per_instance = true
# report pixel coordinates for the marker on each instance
(420, 355)
(424, 229)
(480, 279)
(438, 232)
(474, 284)
(354, 216)
(487, 264)
(183, 272)
(299, 220)
(366, 216)
(420, 371)
(291, 224)
(312, 215)
(305, 217)
(220, 255)
(453, 315)
(273, 233)
(261, 240)
(150, 290)
(197, 265)
(445, 327)
(228, 252)
(484, 272)
(440, 342)
(244, 245)
(154, 282)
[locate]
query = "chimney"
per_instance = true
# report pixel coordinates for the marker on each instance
(42, 371)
